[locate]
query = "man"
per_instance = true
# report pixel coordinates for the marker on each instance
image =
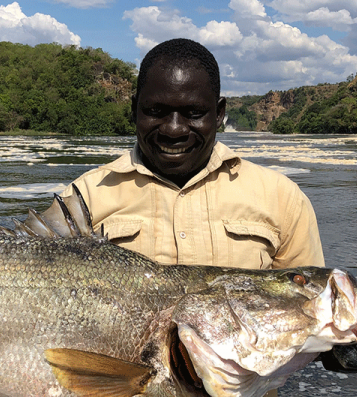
(180, 197)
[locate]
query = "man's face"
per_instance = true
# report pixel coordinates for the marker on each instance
(177, 117)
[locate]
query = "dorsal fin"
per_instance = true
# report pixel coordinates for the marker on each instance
(22, 229)
(38, 225)
(78, 205)
(66, 217)
(7, 232)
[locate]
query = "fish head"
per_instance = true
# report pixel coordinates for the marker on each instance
(335, 308)
(249, 330)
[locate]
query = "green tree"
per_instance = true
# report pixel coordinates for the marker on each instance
(62, 89)
(282, 125)
(243, 117)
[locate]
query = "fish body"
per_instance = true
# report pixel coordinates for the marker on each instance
(242, 329)
(80, 316)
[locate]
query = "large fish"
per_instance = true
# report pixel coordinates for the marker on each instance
(81, 316)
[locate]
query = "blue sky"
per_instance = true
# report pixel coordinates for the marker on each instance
(260, 45)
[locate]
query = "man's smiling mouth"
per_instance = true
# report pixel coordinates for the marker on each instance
(173, 151)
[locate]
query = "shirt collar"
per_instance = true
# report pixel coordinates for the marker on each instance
(131, 161)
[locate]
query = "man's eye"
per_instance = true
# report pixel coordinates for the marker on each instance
(195, 114)
(154, 111)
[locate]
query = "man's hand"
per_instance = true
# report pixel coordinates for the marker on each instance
(342, 358)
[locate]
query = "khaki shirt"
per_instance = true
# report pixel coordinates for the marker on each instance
(232, 213)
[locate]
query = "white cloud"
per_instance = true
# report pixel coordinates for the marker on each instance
(337, 20)
(144, 43)
(279, 41)
(351, 42)
(219, 34)
(85, 3)
(300, 7)
(248, 7)
(323, 13)
(255, 52)
(151, 23)
(16, 27)
(340, 15)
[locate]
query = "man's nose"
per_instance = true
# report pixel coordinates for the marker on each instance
(174, 125)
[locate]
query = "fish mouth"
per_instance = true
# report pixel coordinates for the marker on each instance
(336, 307)
(182, 367)
(200, 370)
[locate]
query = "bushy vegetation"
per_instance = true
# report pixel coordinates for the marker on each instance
(64, 89)
(335, 115)
(243, 118)
(239, 114)
(320, 110)
(282, 125)
(301, 95)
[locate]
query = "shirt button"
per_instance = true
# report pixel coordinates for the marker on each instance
(182, 234)
(182, 194)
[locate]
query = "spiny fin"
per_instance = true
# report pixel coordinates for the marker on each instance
(7, 232)
(69, 216)
(90, 374)
(37, 224)
(76, 205)
(66, 217)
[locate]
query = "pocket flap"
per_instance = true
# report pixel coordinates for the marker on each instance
(118, 227)
(248, 228)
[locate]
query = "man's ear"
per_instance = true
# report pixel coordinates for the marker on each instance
(221, 110)
(134, 107)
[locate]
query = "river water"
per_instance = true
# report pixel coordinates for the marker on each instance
(324, 166)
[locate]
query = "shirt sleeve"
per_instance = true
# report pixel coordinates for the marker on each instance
(300, 238)
(84, 188)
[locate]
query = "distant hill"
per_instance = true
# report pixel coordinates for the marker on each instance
(83, 91)
(64, 89)
(321, 109)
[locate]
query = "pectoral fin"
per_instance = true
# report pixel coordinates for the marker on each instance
(90, 374)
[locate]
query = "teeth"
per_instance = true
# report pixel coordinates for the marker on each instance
(172, 151)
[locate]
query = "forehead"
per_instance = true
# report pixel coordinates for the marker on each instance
(178, 81)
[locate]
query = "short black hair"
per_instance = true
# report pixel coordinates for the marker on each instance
(181, 52)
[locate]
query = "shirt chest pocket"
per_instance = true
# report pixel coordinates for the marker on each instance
(124, 232)
(251, 244)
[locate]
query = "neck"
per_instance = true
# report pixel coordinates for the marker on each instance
(178, 179)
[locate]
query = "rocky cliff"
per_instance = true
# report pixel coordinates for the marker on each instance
(271, 106)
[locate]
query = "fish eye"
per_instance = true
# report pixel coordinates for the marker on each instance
(298, 279)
